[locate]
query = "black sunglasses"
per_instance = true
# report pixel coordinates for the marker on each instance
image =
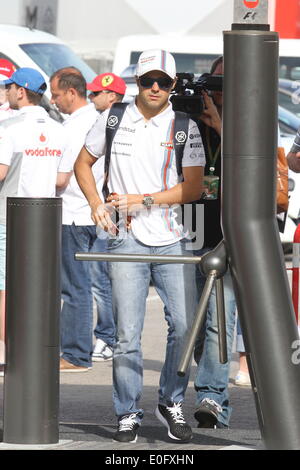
(164, 83)
(96, 93)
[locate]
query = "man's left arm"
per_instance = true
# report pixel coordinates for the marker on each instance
(65, 168)
(188, 191)
(62, 180)
(3, 171)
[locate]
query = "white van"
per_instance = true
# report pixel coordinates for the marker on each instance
(26, 47)
(195, 54)
(192, 53)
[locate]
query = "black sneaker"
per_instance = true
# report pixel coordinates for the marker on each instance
(127, 430)
(207, 413)
(220, 425)
(172, 417)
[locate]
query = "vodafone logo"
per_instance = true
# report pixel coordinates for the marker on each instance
(41, 149)
(43, 139)
(251, 3)
(45, 152)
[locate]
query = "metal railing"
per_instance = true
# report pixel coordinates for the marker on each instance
(213, 265)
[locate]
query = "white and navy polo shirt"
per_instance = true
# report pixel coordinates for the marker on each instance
(34, 147)
(143, 161)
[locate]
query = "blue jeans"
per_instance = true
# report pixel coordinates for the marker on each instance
(240, 347)
(80, 279)
(101, 287)
(212, 377)
(175, 285)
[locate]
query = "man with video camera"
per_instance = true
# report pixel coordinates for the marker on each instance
(211, 381)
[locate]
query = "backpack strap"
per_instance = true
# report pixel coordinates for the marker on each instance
(112, 125)
(181, 129)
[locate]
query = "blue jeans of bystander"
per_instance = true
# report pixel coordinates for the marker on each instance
(79, 280)
(212, 377)
(101, 288)
(240, 347)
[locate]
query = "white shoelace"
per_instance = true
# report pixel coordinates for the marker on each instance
(213, 403)
(127, 423)
(176, 412)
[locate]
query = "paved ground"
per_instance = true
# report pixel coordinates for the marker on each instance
(87, 419)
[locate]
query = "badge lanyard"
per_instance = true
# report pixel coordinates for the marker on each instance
(210, 181)
(212, 157)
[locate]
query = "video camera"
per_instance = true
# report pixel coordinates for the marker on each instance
(187, 95)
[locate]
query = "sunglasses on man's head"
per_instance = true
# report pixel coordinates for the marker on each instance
(164, 83)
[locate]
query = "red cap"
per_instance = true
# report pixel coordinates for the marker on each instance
(7, 68)
(108, 81)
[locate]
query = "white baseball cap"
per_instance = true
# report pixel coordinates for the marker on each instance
(156, 59)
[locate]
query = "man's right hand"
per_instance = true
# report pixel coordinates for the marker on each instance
(101, 217)
(210, 115)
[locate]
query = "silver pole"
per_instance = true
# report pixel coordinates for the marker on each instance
(168, 259)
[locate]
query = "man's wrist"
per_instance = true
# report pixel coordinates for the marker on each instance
(94, 204)
(216, 123)
(218, 128)
(148, 200)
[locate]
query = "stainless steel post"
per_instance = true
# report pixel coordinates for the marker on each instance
(31, 383)
(250, 231)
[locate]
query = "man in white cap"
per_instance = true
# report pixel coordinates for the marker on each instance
(145, 184)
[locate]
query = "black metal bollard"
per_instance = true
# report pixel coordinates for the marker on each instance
(251, 234)
(31, 383)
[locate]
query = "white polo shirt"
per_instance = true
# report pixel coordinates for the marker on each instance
(143, 161)
(75, 206)
(34, 147)
(6, 112)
